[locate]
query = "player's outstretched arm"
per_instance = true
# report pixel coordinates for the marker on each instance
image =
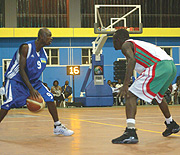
(23, 51)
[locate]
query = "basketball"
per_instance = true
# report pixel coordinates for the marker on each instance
(35, 105)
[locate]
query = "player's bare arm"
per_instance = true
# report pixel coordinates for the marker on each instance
(22, 65)
(127, 50)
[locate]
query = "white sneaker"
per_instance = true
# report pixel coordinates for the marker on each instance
(62, 130)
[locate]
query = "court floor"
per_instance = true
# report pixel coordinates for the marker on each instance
(26, 133)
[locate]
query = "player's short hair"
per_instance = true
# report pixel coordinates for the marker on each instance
(41, 32)
(121, 34)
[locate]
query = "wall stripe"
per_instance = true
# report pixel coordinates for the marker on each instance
(84, 32)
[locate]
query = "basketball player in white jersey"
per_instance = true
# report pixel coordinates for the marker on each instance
(157, 71)
(22, 79)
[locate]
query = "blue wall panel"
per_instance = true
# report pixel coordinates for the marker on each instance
(13, 42)
(63, 54)
(175, 55)
(168, 41)
(60, 42)
(82, 41)
(55, 73)
(7, 53)
(76, 56)
(111, 55)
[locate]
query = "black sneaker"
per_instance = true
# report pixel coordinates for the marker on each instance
(128, 137)
(173, 127)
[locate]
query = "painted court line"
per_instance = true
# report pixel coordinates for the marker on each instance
(151, 131)
(50, 120)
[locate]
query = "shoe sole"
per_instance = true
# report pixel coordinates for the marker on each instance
(63, 134)
(126, 141)
(173, 131)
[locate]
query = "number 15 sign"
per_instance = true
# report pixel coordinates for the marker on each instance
(73, 70)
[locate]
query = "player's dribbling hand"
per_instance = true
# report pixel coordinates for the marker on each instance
(34, 93)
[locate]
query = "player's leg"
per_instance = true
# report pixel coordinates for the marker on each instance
(137, 89)
(164, 108)
(171, 125)
(129, 136)
(140, 88)
(59, 128)
(48, 98)
(16, 95)
(131, 106)
(53, 111)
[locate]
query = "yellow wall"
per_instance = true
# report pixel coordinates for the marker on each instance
(84, 32)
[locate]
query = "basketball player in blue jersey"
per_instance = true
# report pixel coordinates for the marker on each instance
(22, 76)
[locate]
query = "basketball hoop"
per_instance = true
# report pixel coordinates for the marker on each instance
(128, 17)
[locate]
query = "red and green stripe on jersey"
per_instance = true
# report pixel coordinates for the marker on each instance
(143, 57)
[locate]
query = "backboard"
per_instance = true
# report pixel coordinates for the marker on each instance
(109, 18)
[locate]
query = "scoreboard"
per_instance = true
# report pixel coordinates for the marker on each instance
(73, 70)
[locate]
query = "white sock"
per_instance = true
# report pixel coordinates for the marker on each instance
(169, 120)
(130, 123)
(57, 123)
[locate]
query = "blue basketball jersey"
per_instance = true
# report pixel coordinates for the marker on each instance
(35, 64)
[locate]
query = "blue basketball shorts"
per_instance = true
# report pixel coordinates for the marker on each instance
(17, 92)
